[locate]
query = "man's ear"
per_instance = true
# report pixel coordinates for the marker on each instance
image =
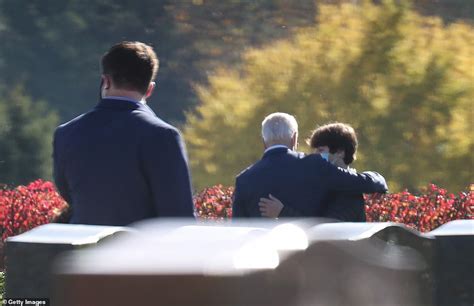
(294, 140)
(150, 89)
(106, 81)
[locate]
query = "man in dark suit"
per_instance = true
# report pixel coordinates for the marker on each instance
(120, 163)
(301, 182)
(336, 142)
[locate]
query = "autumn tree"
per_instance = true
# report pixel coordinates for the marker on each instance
(404, 81)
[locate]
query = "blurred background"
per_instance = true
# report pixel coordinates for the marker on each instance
(400, 72)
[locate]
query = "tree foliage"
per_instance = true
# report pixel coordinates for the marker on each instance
(26, 130)
(54, 48)
(404, 81)
(55, 45)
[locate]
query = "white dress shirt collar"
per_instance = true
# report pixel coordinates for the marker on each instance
(275, 147)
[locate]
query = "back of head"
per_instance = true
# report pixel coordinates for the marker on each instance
(337, 136)
(279, 128)
(131, 65)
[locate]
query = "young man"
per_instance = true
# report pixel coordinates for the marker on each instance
(120, 163)
(337, 143)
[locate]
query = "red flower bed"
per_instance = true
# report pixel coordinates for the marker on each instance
(424, 212)
(26, 207)
(214, 203)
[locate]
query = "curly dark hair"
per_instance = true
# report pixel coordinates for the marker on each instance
(131, 64)
(337, 136)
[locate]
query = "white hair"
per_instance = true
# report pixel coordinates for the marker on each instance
(279, 128)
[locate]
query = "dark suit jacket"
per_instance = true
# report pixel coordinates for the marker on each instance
(342, 206)
(346, 207)
(300, 182)
(120, 163)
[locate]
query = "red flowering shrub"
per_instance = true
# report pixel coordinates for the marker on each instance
(26, 207)
(214, 203)
(424, 213)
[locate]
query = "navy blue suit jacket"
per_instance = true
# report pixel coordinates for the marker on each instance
(342, 206)
(120, 163)
(300, 182)
(346, 207)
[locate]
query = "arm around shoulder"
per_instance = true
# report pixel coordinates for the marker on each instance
(378, 180)
(340, 179)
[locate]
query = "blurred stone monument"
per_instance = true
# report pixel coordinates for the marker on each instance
(454, 263)
(300, 262)
(29, 256)
(181, 264)
(364, 264)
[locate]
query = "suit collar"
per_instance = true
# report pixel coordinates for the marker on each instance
(274, 147)
(122, 104)
(123, 98)
(276, 151)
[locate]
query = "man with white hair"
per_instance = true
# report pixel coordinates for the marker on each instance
(280, 130)
(299, 181)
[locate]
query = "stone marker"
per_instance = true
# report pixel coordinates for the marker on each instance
(175, 264)
(29, 256)
(364, 264)
(301, 262)
(455, 263)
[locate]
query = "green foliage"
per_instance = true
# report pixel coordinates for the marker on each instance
(2, 286)
(405, 82)
(26, 130)
(54, 46)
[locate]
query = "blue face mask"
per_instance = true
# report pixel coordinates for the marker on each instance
(325, 156)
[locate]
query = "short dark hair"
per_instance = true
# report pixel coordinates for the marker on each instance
(337, 136)
(132, 65)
